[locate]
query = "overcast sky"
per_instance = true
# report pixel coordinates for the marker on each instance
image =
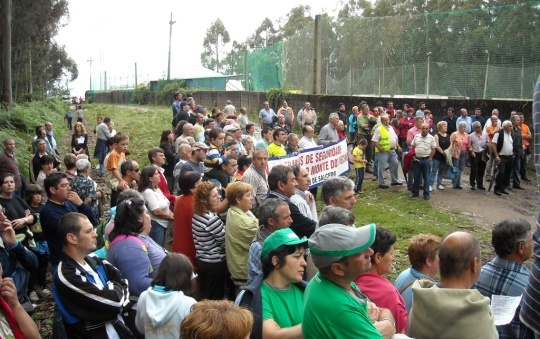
(117, 34)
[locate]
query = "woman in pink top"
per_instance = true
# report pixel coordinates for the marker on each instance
(373, 283)
(459, 141)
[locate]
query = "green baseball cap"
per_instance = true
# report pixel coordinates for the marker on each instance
(279, 238)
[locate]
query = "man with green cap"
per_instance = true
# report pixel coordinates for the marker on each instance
(334, 307)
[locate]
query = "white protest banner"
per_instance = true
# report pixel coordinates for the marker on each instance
(322, 163)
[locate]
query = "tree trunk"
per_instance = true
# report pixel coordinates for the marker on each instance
(30, 77)
(217, 54)
(7, 96)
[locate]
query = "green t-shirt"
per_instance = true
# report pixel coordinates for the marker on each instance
(285, 306)
(361, 120)
(332, 312)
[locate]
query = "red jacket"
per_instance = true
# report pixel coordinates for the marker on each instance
(406, 124)
(408, 159)
(165, 189)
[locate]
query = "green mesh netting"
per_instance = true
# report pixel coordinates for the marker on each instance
(481, 53)
(264, 69)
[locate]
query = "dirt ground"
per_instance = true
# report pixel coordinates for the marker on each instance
(487, 209)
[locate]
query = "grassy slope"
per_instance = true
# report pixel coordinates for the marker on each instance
(20, 122)
(143, 124)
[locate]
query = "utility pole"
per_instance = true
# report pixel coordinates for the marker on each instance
(90, 61)
(170, 36)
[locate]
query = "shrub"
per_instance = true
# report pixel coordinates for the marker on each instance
(140, 95)
(276, 95)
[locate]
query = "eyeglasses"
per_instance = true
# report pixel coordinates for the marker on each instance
(135, 170)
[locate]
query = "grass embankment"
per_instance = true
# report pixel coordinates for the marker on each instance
(143, 125)
(19, 123)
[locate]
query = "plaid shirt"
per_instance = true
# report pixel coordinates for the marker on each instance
(505, 277)
(254, 256)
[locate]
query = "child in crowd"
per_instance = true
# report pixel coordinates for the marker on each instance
(37, 283)
(114, 161)
(359, 164)
(162, 308)
(213, 157)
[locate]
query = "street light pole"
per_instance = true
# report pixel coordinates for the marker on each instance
(170, 36)
(90, 61)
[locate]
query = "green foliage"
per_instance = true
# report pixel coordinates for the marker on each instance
(19, 122)
(140, 95)
(38, 62)
(276, 95)
(234, 62)
(265, 35)
(166, 93)
(297, 19)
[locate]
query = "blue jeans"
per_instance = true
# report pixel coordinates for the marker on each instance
(421, 170)
(376, 165)
(157, 233)
(436, 170)
(459, 163)
(359, 179)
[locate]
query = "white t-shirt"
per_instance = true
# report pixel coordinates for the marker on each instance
(156, 200)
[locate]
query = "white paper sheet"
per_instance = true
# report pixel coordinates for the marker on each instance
(504, 308)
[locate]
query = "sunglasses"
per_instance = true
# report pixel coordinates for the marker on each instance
(136, 170)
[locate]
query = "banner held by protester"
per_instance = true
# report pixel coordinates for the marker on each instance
(322, 163)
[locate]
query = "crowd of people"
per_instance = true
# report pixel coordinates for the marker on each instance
(430, 151)
(207, 222)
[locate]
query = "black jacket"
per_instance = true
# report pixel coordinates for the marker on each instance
(85, 307)
(301, 225)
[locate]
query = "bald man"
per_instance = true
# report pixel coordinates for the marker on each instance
(451, 309)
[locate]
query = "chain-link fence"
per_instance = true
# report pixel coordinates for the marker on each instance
(481, 53)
